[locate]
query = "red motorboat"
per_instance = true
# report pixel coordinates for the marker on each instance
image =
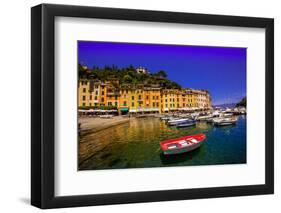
(182, 144)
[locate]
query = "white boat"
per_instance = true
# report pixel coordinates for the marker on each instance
(224, 121)
(204, 117)
(177, 121)
(165, 118)
(186, 124)
(227, 115)
(210, 120)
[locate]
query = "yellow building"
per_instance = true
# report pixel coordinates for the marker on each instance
(85, 94)
(140, 98)
(200, 99)
(170, 99)
(152, 98)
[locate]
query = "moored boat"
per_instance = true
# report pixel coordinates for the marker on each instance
(165, 118)
(186, 124)
(204, 117)
(224, 121)
(174, 122)
(182, 144)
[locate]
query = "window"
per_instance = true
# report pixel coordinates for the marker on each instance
(90, 104)
(153, 104)
(147, 97)
(115, 97)
(157, 104)
(133, 104)
(133, 97)
(96, 92)
(84, 98)
(124, 103)
(153, 97)
(84, 89)
(91, 97)
(139, 97)
(96, 97)
(102, 92)
(109, 104)
(157, 97)
(102, 99)
(116, 104)
(84, 104)
(166, 105)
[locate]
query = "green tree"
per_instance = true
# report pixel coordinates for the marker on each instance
(161, 73)
(127, 79)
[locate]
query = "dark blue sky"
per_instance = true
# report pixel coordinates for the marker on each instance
(221, 70)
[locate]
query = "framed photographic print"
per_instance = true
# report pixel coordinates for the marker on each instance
(139, 106)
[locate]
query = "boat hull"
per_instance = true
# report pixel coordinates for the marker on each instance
(182, 150)
(186, 125)
(177, 122)
(225, 123)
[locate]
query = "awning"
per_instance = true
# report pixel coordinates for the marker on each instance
(83, 110)
(124, 108)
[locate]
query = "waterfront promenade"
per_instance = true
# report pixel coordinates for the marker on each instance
(90, 125)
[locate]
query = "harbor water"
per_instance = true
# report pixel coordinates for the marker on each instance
(135, 144)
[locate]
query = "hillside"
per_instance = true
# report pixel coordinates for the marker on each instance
(242, 103)
(127, 75)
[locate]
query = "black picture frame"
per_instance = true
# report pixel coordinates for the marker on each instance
(43, 105)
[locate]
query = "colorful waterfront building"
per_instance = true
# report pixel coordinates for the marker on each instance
(199, 99)
(87, 95)
(140, 98)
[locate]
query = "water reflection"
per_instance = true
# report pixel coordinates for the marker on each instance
(136, 145)
(175, 159)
